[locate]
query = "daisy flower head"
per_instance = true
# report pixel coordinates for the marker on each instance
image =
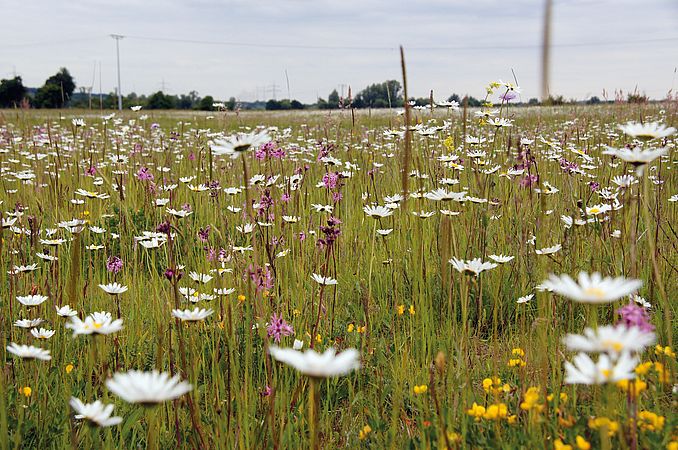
(646, 131)
(147, 388)
(501, 259)
(42, 333)
(95, 323)
(377, 211)
(591, 288)
(236, 145)
(113, 288)
(96, 413)
(318, 365)
(192, 316)
(525, 298)
(28, 323)
(28, 352)
(472, 267)
(610, 339)
(66, 311)
(327, 281)
(31, 300)
(636, 156)
(584, 370)
(549, 250)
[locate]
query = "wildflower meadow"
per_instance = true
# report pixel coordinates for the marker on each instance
(435, 277)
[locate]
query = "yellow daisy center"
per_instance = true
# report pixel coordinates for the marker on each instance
(594, 292)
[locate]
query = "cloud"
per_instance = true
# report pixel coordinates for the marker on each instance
(451, 45)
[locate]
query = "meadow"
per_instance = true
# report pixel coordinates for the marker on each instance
(219, 247)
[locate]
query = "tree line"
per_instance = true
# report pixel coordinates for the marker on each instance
(59, 91)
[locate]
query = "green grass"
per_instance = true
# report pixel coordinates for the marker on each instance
(224, 357)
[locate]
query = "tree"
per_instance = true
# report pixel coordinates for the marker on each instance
(296, 104)
(472, 102)
(160, 100)
(11, 92)
(333, 99)
(380, 95)
(593, 101)
(57, 90)
(230, 104)
(454, 98)
(273, 105)
(206, 103)
(533, 101)
(189, 101)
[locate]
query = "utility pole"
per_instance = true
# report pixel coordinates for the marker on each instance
(117, 38)
(274, 90)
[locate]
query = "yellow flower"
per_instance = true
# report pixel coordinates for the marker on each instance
(518, 352)
(241, 298)
(643, 368)
(662, 374)
(360, 329)
(449, 142)
(476, 411)
(26, 391)
(497, 411)
(531, 400)
(319, 339)
(516, 362)
(453, 437)
(69, 368)
(582, 444)
(673, 445)
(659, 350)
(649, 421)
(494, 386)
(411, 310)
(595, 423)
(560, 445)
(566, 421)
(364, 432)
(401, 310)
(350, 328)
(563, 397)
(420, 389)
(638, 386)
(512, 419)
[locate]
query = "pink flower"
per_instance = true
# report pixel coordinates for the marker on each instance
(278, 328)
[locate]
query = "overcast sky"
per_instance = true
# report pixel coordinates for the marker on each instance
(451, 45)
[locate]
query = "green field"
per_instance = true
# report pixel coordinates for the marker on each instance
(432, 339)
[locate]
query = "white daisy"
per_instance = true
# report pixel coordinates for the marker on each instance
(147, 387)
(610, 339)
(192, 316)
(327, 281)
(113, 288)
(28, 352)
(31, 300)
(472, 267)
(96, 413)
(316, 365)
(592, 288)
(605, 370)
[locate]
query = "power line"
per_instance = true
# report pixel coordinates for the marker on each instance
(355, 48)
(393, 48)
(52, 42)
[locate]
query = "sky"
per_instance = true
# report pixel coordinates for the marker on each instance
(253, 49)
